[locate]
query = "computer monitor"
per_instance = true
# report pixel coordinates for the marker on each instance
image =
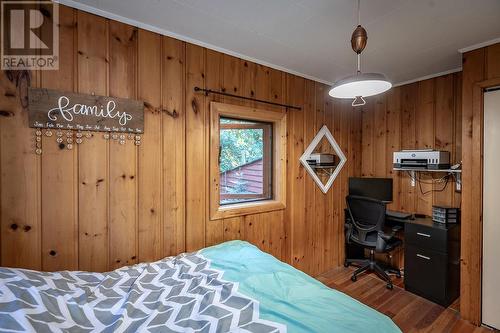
(377, 188)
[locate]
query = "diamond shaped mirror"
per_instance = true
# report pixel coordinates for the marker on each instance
(323, 159)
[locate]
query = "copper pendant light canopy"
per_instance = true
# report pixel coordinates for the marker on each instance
(360, 84)
(359, 39)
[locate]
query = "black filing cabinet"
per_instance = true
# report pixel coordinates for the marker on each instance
(432, 260)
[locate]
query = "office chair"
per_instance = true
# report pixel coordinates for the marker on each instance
(367, 217)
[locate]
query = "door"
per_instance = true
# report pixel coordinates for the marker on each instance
(491, 211)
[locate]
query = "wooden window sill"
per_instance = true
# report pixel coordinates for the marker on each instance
(247, 208)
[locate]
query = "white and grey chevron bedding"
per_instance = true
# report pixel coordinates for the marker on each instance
(176, 294)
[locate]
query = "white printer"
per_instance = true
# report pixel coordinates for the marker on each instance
(321, 159)
(421, 159)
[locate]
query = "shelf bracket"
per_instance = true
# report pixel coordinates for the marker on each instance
(458, 181)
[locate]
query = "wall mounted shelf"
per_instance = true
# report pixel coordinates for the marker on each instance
(323, 168)
(455, 173)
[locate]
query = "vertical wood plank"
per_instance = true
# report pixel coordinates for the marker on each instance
(247, 80)
(276, 88)
(470, 271)
(59, 172)
(254, 230)
(355, 144)
(338, 122)
(295, 213)
(20, 179)
(122, 157)
(457, 93)
(276, 231)
(268, 85)
(93, 178)
(317, 236)
(346, 111)
(231, 79)
(492, 66)
(380, 136)
(367, 117)
(196, 175)
(444, 135)
(394, 143)
(310, 186)
(408, 141)
(214, 80)
(174, 145)
(330, 232)
(234, 228)
(424, 123)
(149, 173)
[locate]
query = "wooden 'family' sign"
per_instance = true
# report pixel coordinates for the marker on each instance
(56, 109)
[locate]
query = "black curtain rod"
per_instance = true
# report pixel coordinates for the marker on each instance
(209, 91)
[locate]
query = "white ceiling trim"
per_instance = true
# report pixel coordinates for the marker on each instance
(479, 45)
(145, 26)
(454, 70)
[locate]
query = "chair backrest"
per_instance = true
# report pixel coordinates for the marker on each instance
(367, 217)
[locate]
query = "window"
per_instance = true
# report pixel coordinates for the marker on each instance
(247, 160)
(244, 160)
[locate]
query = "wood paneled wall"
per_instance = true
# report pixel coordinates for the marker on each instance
(424, 114)
(481, 68)
(103, 205)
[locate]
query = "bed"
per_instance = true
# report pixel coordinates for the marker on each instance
(229, 287)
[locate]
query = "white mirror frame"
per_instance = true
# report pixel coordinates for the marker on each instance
(324, 131)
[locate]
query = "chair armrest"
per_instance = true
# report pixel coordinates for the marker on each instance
(348, 232)
(396, 228)
(384, 238)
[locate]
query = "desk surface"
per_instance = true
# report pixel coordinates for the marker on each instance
(426, 221)
(389, 218)
(423, 221)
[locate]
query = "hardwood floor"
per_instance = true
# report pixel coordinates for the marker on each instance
(409, 311)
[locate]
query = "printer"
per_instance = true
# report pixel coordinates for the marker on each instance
(421, 159)
(321, 159)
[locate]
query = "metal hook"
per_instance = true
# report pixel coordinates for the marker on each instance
(358, 101)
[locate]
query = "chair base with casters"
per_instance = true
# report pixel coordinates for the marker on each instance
(371, 265)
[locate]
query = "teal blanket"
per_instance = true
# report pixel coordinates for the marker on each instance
(288, 296)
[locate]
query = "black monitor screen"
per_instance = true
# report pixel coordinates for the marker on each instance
(377, 188)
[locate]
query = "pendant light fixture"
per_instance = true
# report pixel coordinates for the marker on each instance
(360, 84)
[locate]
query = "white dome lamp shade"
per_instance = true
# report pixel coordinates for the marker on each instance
(360, 84)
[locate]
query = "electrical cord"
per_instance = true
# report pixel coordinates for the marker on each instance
(419, 180)
(433, 190)
(440, 180)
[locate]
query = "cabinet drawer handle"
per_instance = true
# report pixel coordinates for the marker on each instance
(423, 257)
(424, 235)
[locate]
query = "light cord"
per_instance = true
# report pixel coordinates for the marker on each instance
(359, 13)
(359, 23)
